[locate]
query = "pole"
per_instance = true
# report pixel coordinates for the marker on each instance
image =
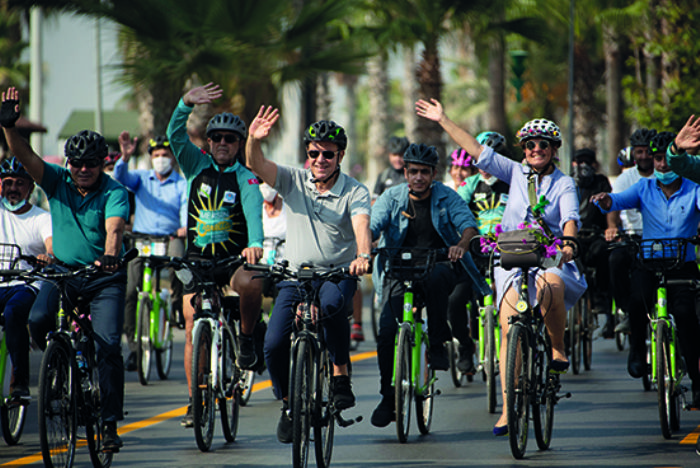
(98, 81)
(567, 160)
(36, 79)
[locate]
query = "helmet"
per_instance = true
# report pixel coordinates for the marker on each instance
(398, 145)
(585, 155)
(160, 141)
(421, 154)
(11, 167)
(326, 130)
(112, 157)
(660, 141)
(226, 121)
(461, 158)
(624, 157)
(86, 145)
(642, 137)
(495, 140)
(539, 128)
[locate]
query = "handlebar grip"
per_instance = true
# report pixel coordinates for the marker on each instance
(130, 255)
(256, 267)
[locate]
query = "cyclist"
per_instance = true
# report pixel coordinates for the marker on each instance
(327, 225)
(392, 175)
(595, 249)
(421, 213)
(224, 214)
(110, 160)
(558, 288)
(670, 207)
(29, 227)
(161, 210)
(88, 214)
(621, 259)
(461, 168)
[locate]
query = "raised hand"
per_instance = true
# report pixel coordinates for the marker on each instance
(430, 110)
(262, 123)
(9, 110)
(203, 94)
(127, 146)
(688, 139)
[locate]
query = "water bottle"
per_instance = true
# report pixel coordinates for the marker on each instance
(82, 366)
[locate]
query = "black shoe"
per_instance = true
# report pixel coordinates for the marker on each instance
(438, 357)
(19, 394)
(284, 426)
(246, 352)
(188, 419)
(636, 366)
(384, 413)
(465, 364)
(111, 442)
(130, 364)
(342, 392)
(609, 329)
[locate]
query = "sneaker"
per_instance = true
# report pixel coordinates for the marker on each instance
(357, 334)
(623, 326)
(465, 364)
(284, 426)
(188, 419)
(341, 389)
(636, 365)
(246, 352)
(20, 393)
(130, 364)
(385, 412)
(438, 357)
(111, 442)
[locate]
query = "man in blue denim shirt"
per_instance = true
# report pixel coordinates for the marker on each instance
(423, 213)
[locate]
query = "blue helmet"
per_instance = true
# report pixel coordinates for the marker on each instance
(11, 167)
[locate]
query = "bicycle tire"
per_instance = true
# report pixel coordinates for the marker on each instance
(452, 352)
(588, 326)
(164, 353)
(324, 420)
(646, 377)
(57, 406)
(374, 310)
(544, 396)
(302, 404)
(143, 339)
(247, 386)
(490, 359)
(518, 386)
(669, 409)
(425, 397)
(203, 399)
(620, 337)
(12, 413)
(91, 410)
(403, 385)
(573, 332)
(230, 399)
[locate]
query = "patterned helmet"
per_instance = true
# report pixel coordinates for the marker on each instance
(642, 137)
(624, 157)
(112, 157)
(421, 154)
(226, 121)
(539, 128)
(398, 145)
(661, 141)
(326, 130)
(11, 167)
(495, 140)
(461, 158)
(86, 145)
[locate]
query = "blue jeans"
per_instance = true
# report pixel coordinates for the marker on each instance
(16, 302)
(105, 295)
(336, 305)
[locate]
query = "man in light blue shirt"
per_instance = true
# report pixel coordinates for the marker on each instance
(161, 210)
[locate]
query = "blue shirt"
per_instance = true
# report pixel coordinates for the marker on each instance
(161, 207)
(677, 216)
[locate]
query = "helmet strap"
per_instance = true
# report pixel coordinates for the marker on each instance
(332, 174)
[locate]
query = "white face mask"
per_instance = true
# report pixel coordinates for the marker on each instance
(12, 207)
(162, 164)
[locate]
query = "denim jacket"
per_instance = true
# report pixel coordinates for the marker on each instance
(450, 215)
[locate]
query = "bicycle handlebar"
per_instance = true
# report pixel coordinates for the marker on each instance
(281, 271)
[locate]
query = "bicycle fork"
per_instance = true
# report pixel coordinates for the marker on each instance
(662, 314)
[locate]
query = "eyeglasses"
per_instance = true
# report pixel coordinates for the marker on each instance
(313, 154)
(659, 157)
(228, 138)
(80, 163)
(544, 144)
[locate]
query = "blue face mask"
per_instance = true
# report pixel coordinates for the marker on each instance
(12, 207)
(665, 177)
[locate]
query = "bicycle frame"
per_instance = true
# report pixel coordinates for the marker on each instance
(151, 288)
(661, 314)
(488, 301)
(217, 326)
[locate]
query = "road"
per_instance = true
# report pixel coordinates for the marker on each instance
(608, 421)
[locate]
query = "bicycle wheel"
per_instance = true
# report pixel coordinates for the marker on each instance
(544, 396)
(518, 388)
(323, 420)
(646, 378)
(490, 359)
(669, 403)
(620, 338)
(587, 328)
(143, 339)
(453, 353)
(12, 413)
(57, 406)
(164, 353)
(91, 411)
(230, 401)
(375, 310)
(403, 385)
(425, 394)
(302, 404)
(203, 399)
(247, 386)
(573, 333)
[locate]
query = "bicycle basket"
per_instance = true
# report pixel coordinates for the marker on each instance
(152, 246)
(409, 264)
(9, 257)
(662, 254)
(519, 249)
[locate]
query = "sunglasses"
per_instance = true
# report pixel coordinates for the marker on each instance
(228, 138)
(659, 157)
(313, 154)
(89, 163)
(531, 145)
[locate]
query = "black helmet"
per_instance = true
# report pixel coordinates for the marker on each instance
(160, 141)
(398, 145)
(585, 155)
(226, 121)
(421, 154)
(660, 142)
(642, 137)
(326, 130)
(495, 140)
(11, 167)
(86, 145)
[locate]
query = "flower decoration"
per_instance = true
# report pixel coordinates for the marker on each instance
(489, 243)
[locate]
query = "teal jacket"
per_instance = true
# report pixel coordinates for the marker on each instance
(684, 164)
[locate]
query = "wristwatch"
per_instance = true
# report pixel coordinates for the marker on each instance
(366, 256)
(674, 148)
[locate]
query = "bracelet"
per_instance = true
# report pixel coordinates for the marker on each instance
(366, 256)
(674, 148)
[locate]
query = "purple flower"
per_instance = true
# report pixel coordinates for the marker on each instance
(498, 229)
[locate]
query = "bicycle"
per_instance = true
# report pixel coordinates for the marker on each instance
(310, 395)
(215, 375)
(529, 383)
(153, 332)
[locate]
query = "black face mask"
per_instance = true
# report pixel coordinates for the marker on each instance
(583, 175)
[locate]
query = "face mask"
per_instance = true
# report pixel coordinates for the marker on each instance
(162, 164)
(11, 207)
(583, 174)
(490, 181)
(665, 177)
